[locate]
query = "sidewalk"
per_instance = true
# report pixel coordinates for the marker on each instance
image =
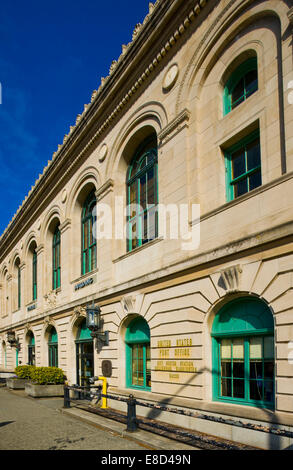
(147, 439)
(115, 424)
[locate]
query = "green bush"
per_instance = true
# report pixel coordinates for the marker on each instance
(24, 372)
(48, 375)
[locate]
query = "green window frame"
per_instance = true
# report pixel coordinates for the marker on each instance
(142, 195)
(243, 166)
(242, 83)
(88, 239)
(35, 275)
(138, 355)
(53, 348)
(56, 256)
(243, 354)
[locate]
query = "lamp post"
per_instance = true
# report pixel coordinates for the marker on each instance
(94, 323)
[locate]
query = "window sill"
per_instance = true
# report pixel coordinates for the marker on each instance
(138, 249)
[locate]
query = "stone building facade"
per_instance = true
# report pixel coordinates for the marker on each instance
(196, 112)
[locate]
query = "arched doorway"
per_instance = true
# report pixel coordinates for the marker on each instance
(138, 354)
(31, 349)
(243, 353)
(53, 348)
(84, 355)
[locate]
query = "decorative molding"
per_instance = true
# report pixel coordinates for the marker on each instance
(50, 299)
(155, 62)
(290, 16)
(230, 278)
(175, 126)
(79, 311)
(128, 304)
(40, 249)
(105, 189)
(64, 196)
(65, 225)
(103, 152)
(170, 77)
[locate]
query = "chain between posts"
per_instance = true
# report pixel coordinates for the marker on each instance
(132, 421)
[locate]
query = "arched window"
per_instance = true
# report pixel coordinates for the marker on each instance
(243, 353)
(18, 286)
(142, 195)
(35, 275)
(242, 83)
(88, 239)
(56, 259)
(53, 348)
(138, 355)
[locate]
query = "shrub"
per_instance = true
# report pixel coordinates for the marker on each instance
(48, 375)
(24, 372)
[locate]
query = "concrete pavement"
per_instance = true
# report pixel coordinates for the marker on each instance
(42, 424)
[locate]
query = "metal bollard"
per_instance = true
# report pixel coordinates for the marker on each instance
(131, 414)
(66, 397)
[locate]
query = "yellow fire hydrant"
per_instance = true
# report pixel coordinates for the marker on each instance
(104, 392)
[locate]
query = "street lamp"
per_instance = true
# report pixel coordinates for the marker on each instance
(94, 323)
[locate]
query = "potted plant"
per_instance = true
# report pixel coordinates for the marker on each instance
(23, 375)
(46, 382)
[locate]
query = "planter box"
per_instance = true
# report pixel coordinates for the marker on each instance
(16, 384)
(37, 391)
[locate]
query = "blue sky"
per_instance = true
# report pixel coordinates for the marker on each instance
(52, 56)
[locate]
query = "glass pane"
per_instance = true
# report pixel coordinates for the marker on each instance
(240, 188)
(132, 194)
(237, 95)
(268, 390)
(226, 389)
(238, 368)
(268, 369)
(151, 187)
(256, 390)
(238, 164)
(256, 369)
(226, 349)
(143, 194)
(143, 162)
(133, 235)
(85, 236)
(255, 180)
(238, 349)
(268, 347)
(251, 82)
(238, 388)
(226, 369)
(148, 366)
(144, 227)
(253, 155)
(255, 348)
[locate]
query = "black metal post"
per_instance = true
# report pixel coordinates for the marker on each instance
(131, 414)
(66, 397)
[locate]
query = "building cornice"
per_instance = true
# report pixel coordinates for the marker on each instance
(159, 15)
